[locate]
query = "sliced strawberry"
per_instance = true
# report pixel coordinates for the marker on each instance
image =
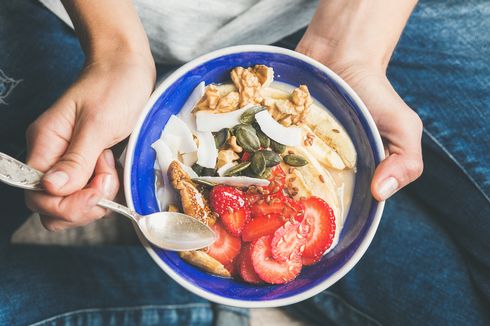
(262, 225)
(283, 205)
(277, 179)
(226, 247)
(232, 206)
(288, 242)
(270, 270)
(233, 267)
(320, 217)
(307, 261)
(246, 267)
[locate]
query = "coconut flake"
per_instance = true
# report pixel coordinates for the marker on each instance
(177, 128)
(186, 112)
(236, 181)
(206, 121)
(165, 194)
(221, 171)
(207, 152)
(290, 136)
(189, 158)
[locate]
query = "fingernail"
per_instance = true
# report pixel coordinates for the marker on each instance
(107, 185)
(93, 200)
(109, 158)
(387, 188)
(57, 178)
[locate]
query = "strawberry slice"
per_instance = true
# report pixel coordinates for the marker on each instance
(270, 270)
(288, 242)
(262, 225)
(232, 206)
(233, 267)
(277, 179)
(279, 204)
(320, 217)
(246, 267)
(307, 261)
(226, 247)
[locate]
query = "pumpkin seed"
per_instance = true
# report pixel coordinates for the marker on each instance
(240, 126)
(247, 139)
(248, 117)
(237, 169)
(197, 168)
(295, 160)
(265, 141)
(204, 182)
(220, 137)
(267, 173)
(258, 163)
(208, 172)
(276, 147)
(271, 158)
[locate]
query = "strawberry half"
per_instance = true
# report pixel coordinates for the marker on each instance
(270, 270)
(262, 225)
(279, 204)
(226, 247)
(320, 217)
(232, 206)
(288, 242)
(246, 267)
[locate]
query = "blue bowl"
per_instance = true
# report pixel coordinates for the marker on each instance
(326, 87)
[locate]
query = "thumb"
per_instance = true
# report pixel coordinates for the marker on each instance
(75, 168)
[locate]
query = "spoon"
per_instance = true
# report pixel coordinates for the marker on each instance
(167, 230)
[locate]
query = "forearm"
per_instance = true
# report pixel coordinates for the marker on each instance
(356, 31)
(107, 28)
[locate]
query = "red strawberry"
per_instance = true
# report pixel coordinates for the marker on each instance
(288, 242)
(270, 270)
(246, 267)
(226, 247)
(262, 225)
(233, 267)
(277, 179)
(283, 205)
(319, 216)
(307, 261)
(245, 157)
(232, 206)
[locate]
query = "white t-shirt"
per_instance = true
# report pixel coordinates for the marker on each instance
(180, 30)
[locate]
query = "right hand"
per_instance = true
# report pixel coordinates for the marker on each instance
(70, 142)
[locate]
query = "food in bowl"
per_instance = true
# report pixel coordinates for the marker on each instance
(265, 166)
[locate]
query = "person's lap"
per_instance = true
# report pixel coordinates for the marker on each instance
(426, 263)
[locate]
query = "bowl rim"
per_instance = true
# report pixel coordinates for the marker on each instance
(166, 83)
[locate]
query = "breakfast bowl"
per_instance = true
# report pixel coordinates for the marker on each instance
(329, 91)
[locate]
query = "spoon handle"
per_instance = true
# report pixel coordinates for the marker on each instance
(20, 175)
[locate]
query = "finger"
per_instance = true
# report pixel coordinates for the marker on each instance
(74, 169)
(77, 209)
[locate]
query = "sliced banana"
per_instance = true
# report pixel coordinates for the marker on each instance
(313, 180)
(325, 154)
(206, 262)
(274, 93)
(332, 133)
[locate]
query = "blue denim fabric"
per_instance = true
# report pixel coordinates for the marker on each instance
(429, 263)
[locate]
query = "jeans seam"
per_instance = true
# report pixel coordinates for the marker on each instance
(352, 308)
(458, 164)
(118, 309)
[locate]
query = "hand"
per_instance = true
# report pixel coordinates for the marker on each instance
(70, 140)
(400, 127)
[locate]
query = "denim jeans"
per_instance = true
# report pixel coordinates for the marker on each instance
(428, 264)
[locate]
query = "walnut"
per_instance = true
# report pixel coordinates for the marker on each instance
(301, 99)
(285, 106)
(210, 99)
(293, 110)
(233, 145)
(228, 102)
(249, 82)
(264, 74)
(226, 156)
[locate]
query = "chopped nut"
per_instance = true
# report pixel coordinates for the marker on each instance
(226, 156)
(228, 102)
(322, 178)
(233, 145)
(210, 99)
(249, 82)
(173, 208)
(264, 74)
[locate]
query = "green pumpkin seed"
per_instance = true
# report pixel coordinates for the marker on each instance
(208, 172)
(295, 160)
(237, 169)
(241, 126)
(247, 140)
(258, 163)
(265, 141)
(204, 182)
(271, 157)
(220, 137)
(197, 168)
(267, 173)
(278, 148)
(248, 117)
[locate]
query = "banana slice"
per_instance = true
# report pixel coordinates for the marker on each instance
(325, 154)
(313, 180)
(274, 93)
(206, 262)
(332, 133)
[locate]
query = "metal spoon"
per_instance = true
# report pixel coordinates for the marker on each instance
(167, 230)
